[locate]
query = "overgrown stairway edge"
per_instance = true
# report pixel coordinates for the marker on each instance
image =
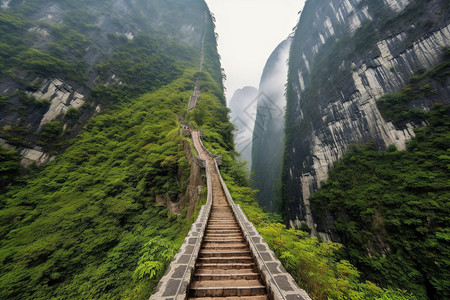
(176, 282)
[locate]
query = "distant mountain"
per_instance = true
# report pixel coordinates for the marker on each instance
(268, 134)
(243, 114)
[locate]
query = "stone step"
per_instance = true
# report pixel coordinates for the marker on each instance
(224, 235)
(226, 266)
(222, 232)
(234, 276)
(260, 297)
(227, 288)
(223, 240)
(229, 259)
(224, 229)
(247, 270)
(234, 253)
(230, 246)
(222, 224)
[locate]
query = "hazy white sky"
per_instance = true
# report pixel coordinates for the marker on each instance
(249, 30)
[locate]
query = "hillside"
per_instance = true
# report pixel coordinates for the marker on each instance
(90, 223)
(62, 63)
(100, 182)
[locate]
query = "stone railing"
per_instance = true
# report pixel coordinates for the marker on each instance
(188, 150)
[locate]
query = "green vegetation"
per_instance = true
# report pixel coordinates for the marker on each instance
(397, 107)
(88, 224)
(391, 208)
(143, 63)
(9, 167)
(116, 53)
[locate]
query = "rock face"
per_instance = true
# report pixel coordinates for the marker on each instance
(268, 134)
(243, 114)
(345, 55)
(61, 95)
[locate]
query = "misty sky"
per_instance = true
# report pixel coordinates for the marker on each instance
(249, 30)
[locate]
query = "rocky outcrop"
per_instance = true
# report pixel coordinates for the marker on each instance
(62, 96)
(29, 156)
(268, 134)
(243, 114)
(345, 55)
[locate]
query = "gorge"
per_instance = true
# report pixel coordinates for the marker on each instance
(347, 140)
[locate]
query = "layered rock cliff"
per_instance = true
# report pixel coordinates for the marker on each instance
(268, 135)
(345, 55)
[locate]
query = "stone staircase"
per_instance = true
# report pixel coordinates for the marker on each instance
(225, 266)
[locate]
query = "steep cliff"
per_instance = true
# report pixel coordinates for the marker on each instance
(58, 61)
(243, 113)
(344, 56)
(268, 134)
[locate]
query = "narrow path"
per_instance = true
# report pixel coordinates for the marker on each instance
(195, 96)
(225, 268)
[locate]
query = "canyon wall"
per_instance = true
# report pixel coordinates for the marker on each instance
(344, 56)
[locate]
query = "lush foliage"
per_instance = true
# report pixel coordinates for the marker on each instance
(392, 209)
(9, 167)
(116, 51)
(87, 225)
(397, 107)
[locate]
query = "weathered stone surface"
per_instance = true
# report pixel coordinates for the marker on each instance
(172, 288)
(62, 97)
(283, 283)
(29, 156)
(329, 111)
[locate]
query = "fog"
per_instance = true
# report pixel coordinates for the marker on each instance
(262, 111)
(249, 30)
